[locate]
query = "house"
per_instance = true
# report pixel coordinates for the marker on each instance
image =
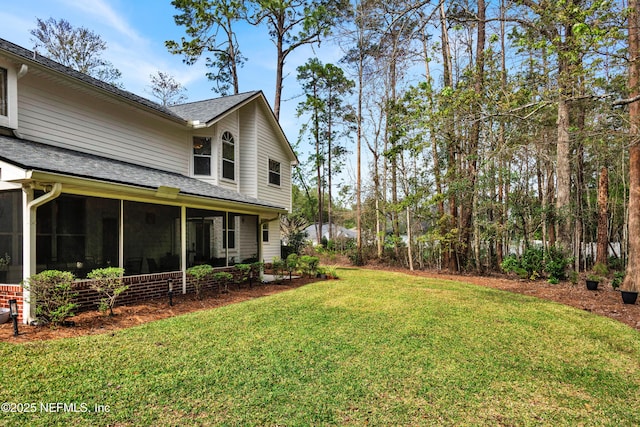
(92, 175)
(338, 232)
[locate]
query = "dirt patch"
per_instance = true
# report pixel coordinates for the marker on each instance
(126, 316)
(605, 302)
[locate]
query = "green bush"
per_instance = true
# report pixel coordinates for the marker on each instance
(556, 263)
(292, 263)
(223, 278)
(108, 283)
(52, 293)
(279, 267)
(245, 272)
(309, 265)
(199, 273)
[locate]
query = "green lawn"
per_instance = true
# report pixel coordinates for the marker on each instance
(377, 348)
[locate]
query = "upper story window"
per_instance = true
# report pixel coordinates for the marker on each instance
(228, 156)
(274, 172)
(201, 155)
(4, 110)
(8, 95)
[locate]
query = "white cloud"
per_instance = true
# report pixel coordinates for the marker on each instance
(106, 14)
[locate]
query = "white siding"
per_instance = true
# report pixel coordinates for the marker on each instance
(248, 150)
(271, 249)
(271, 148)
(228, 124)
(59, 115)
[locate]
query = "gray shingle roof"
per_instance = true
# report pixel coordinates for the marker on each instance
(46, 158)
(210, 109)
(33, 57)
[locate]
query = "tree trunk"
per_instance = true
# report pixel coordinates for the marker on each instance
(563, 168)
(603, 217)
(632, 277)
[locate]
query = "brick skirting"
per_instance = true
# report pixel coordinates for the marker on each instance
(8, 292)
(141, 288)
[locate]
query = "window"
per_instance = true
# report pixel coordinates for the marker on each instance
(201, 155)
(265, 232)
(228, 156)
(229, 237)
(4, 110)
(274, 172)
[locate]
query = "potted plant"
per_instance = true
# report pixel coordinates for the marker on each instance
(592, 282)
(629, 291)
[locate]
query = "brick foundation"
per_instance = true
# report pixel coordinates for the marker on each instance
(141, 288)
(8, 292)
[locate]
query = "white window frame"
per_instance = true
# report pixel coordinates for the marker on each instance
(205, 156)
(278, 173)
(10, 119)
(223, 159)
(265, 232)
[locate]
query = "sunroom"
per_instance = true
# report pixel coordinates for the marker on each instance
(66, 210)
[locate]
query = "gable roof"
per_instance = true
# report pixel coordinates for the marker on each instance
(211, 109)
(40, 157)
(206, 111)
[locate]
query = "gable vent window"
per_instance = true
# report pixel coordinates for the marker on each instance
(274, 172)
(228, 156)
(201, 156)
(4, 110)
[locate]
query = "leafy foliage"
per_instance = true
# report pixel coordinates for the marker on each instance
(199, 273)
(107, 282)
(52, 293)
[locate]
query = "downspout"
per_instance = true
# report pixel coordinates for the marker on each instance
(29, 242)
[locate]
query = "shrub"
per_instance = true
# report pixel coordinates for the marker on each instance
(224, 278)
(107, 282)
(309, 265)
(51, 291)
(618, 278)
(556, 263)
(245, 272)
(331, 271)
(279, 267)
(292, 264)
(199, 273)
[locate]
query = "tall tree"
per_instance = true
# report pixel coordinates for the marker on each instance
(632, 277)
(326, 87)
(167, 89)
(210, 28)
(294, 23)
(75, 47)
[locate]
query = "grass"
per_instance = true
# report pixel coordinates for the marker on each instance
(377, 348)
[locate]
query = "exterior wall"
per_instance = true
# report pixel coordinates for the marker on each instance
(63, 116)
(8, 292)
(270, 148)
(248, 150)
(271, 249)
(229, 124)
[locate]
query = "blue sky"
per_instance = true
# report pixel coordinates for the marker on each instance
(135, 32)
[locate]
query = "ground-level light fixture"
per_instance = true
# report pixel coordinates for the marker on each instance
(170, 284)
(13, 312)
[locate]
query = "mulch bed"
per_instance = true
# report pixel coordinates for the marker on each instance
(126, 316)
(605, 302)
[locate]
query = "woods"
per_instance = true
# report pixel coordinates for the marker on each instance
(484, 129)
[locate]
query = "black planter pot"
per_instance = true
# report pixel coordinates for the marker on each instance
(629, 297)
(592, 285)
